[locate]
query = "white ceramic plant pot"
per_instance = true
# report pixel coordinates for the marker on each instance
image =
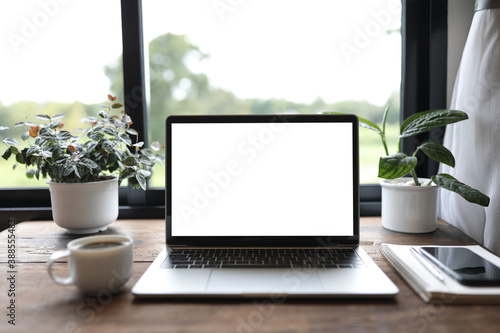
(84, 208)
(409, 208)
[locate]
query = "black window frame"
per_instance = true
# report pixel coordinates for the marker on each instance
(424, 59)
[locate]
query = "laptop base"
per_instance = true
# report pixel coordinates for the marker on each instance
(276, 283)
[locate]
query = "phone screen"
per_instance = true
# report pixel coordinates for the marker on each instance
(463, 265)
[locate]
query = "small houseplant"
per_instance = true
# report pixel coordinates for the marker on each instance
(410, 204)
(84, 170)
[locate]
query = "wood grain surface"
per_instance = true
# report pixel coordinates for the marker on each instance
(43, 306)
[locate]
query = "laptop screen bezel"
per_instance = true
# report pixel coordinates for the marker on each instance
(260, 241)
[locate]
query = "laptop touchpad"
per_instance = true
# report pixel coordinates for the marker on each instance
(268, 281)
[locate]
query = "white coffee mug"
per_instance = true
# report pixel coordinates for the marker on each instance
(97, 264)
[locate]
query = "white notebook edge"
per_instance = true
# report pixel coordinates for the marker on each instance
(428, 287)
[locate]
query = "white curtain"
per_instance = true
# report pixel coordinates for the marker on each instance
(475, 143)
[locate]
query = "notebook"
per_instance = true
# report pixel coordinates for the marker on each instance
(432, 289)
(263, 205)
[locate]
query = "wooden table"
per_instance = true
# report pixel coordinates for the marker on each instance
(43, 306)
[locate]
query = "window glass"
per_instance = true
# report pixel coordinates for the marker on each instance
(239, 57)
(57, 57)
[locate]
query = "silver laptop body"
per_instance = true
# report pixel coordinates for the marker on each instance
(263, 188)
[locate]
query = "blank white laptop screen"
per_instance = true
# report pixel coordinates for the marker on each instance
(262, 179)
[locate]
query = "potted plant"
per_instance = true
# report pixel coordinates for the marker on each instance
(409, 204)
(84, 171)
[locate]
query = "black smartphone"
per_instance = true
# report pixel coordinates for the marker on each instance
(464, 265)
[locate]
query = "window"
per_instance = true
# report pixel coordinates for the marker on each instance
(281, 56)
(50, 65)
(51, 30)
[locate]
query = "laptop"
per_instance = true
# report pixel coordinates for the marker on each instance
(262, 206)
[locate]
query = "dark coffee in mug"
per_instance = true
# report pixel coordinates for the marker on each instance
(94, 263)
(100, 245)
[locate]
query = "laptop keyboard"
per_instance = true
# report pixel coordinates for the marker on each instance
(262, 258)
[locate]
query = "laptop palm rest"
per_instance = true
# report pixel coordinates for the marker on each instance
(263, 281)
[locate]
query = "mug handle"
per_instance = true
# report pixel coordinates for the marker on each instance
(56, 256)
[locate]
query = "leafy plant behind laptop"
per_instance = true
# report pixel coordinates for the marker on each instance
(108, 146)
(399, 164)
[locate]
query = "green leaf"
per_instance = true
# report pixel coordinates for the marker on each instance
(30, 173)
(42, 116)
(68, 169)
(63, 160)
(130, 161)
(32, 150)
(56, 153)
(55, 124)
(384, 118)
(58, 116)
(145, 173)
(141, 177)
(107, 145)
(76, 169)
(470, 194)
(7, 154)
(125, 139)
(146, 160)
(127, 173)
(98, 128)
(25, 136)
(425, 121)
(96, 136)
(64, 135)
(132, 131)
(396, 166)
(362, 122)
(438, 152)
(119, 154)
(20, 158)
(10, 141)
(110, 131)
(46, 130)
(116, 105)
(46, 154)
(3, 128)
(365, 123)
(47, 135)
(88, 163)
(102, 114)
